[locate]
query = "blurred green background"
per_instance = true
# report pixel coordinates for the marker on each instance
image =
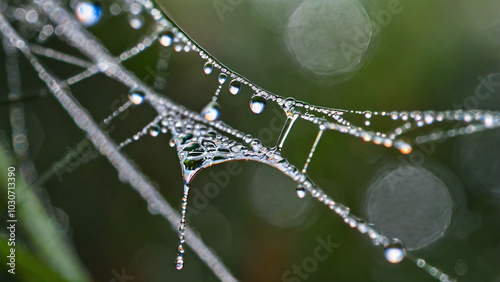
(430, 55)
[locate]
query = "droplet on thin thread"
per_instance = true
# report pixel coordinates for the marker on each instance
(211, 111)
(395, 251)
(208, 68)
(258, 104)
(234, 87)
(136, 96)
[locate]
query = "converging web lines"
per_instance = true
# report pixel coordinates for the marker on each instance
(101, 141)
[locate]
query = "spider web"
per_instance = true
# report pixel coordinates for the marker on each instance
(201, 140)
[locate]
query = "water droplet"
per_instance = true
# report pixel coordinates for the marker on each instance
(222, 78)
(395, 252)
(367, 114)
(429, 117)
(88, 13)
(136, 96)
(166, 38)
(179, 263)
(403, 146)
(211, 111)
(258, 104)
(208, 68)
(154, 130)
(136, 21)
(234, 87)
(367, 122)
(301, 191)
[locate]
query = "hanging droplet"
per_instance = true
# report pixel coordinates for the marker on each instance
(154, 131)
(208, 68)
(222, 78)
(234, 87)
(166, 38)
(301, 191)
(88, 13)
(367, 114)
(136, 96)
(179, 263)
(395, 251)
(258, 104)
(211, 111)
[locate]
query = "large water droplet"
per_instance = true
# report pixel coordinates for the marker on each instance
(258, 104)
(88, 13)
(166, 38)
(395, 252)
(367, 114)
(222, 78)
(235, 87)
(136, 96)
(301, 191)
(211, 111)
(208, 68)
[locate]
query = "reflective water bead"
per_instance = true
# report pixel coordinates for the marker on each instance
(154, 131)
(222, 78)
(258, 104)
(301, 191)
(166, 38)
(211, 111)
(368, 114)
(429, 117)
(395, 251)
(88, 13)
(136, 21)
(235, 87)
(208, 68)
(403, 147)
(136, 96)
(179, 263)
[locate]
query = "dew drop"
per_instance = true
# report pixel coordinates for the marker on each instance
(235, 87)
(208, 68)
(166, 38)
(179, 263)
(136, 96)
(222, 78)
(429, 117)
(211, 111)
(395, 252)
(301, 191)
(136, 21)
(154, 131)
(258, 104)
(403, 146)
(88, 13)
(367, 114)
